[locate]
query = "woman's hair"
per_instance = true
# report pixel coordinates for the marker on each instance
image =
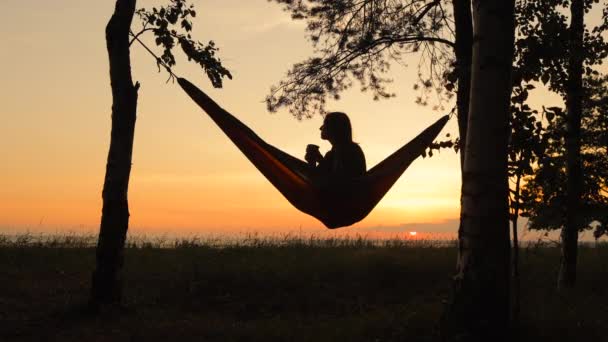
(338, 124)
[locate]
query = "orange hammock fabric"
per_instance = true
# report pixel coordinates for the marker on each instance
(336, 205)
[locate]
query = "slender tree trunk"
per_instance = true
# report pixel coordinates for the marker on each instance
(106, 283)
(463, 51)
(515, 265)
(463, 23)
(569, 234)
(479, 310)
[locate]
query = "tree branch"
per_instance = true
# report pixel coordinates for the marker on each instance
(135, 36)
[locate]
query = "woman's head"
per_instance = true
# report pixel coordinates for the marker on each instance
(336, 128)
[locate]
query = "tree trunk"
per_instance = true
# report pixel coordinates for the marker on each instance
(463, 51)
(479, 310)
(106, 281)
(569, 234)
(515, 264)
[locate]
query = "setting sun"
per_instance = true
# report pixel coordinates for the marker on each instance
(413, 233)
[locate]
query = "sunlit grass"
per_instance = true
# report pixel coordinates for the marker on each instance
(235, 240)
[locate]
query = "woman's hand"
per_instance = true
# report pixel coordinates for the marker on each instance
(313, 156)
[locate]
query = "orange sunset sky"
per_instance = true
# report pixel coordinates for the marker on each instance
(187, 176)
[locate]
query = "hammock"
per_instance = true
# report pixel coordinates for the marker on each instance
(336, 205)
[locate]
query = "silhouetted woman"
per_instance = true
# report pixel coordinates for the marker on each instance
(345, 160)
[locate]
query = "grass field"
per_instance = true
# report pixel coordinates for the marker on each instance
(277, 290)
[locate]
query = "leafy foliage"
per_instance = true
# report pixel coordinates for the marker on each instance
(544, 192)
(172, 26)
(357, 40)
(526, 144)
(442, 144)
(542, 56)
(542, 44)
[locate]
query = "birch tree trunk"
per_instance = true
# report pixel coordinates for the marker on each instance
(569, 234)
(463, 50)
(106, 283)
(479, 310)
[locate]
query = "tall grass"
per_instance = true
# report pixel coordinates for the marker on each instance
(290, 287)
(247, 239)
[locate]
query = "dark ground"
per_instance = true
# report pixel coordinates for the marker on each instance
(296, 292)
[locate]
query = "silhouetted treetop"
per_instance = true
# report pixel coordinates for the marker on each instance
(542, 44)
(172, 26)
(358, 40)
(544, 191)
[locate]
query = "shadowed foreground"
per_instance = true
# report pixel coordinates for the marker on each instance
(296, 292)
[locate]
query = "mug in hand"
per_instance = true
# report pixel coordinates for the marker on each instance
(311, 148)
(312, 151)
